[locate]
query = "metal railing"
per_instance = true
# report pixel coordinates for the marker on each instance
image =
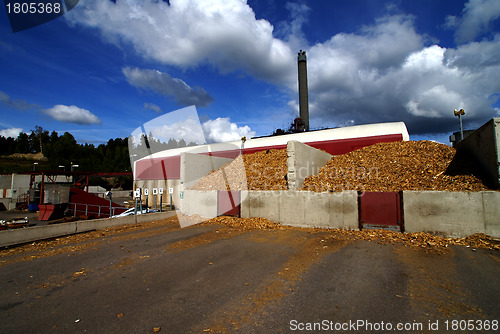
(99, 210)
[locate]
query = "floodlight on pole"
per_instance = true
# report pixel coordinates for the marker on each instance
(460, 113)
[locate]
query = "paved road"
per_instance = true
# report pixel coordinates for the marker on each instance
(210, 278)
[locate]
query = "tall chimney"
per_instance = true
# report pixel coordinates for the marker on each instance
(303, 94)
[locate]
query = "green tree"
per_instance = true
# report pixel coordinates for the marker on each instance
(22, 143)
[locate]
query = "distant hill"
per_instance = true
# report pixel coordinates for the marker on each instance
(23, 162)
(29, 156)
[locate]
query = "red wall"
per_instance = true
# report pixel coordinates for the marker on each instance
(82, 198)
(168, 168)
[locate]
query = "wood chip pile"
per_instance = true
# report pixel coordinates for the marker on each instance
(264, 170)
(404, 165)
(419, 240)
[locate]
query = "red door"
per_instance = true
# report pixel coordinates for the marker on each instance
(228, 203)
(381, 210)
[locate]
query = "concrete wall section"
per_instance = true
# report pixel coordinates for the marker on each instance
(263, 204)
(317, 211)
(484, 145)
(202, 203)
(22, 235)
(449, 214)
(491, 206)
(303, 161)
(291, 208)
(344, 210)
(304, 209)
(29, 234)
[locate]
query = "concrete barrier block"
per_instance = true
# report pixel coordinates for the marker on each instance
(344, 210)
(491, 205)
(203, 203)
(317, 209)
(484, 145)
(94, 224)
(450, 214)
(19, 236)
(291, 208)
(255, 202)
(303, 161)
(245, 204)
(264, 204)
(23, 235)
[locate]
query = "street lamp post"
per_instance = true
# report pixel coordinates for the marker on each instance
(110, 194)
(460, 113)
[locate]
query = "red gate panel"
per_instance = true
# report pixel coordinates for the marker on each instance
(228, 203)
(381, 210)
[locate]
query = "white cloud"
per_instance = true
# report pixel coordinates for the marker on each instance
(383, 72)
(188, 129)
(72, 114)
(222, 130)
(164, 84)
(434, 101)
(153, 107)
(476, 18)
(387, 74)
(11, 132)
(184, 124)
(222, 33)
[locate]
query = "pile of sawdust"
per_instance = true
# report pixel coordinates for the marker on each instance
(396, 166)
(264, 170)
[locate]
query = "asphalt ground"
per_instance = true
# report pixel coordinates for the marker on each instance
(157, 277)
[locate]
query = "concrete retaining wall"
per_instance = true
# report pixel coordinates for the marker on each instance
(491, 205)
(326, 210)
(304, 209)
(263, 204)
(484, 145)
(449, 214)
(203, 203)
(29, 234)
(303, 161)
(452, 214)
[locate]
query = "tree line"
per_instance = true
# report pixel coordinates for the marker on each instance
(64, 150)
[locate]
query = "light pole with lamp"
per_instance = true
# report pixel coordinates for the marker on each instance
(460, 113)
(110, 194)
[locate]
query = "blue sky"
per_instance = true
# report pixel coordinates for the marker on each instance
(105, 68)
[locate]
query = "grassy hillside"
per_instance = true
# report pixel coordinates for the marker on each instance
(20, 163)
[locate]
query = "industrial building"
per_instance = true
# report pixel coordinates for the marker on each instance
(166, 169)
